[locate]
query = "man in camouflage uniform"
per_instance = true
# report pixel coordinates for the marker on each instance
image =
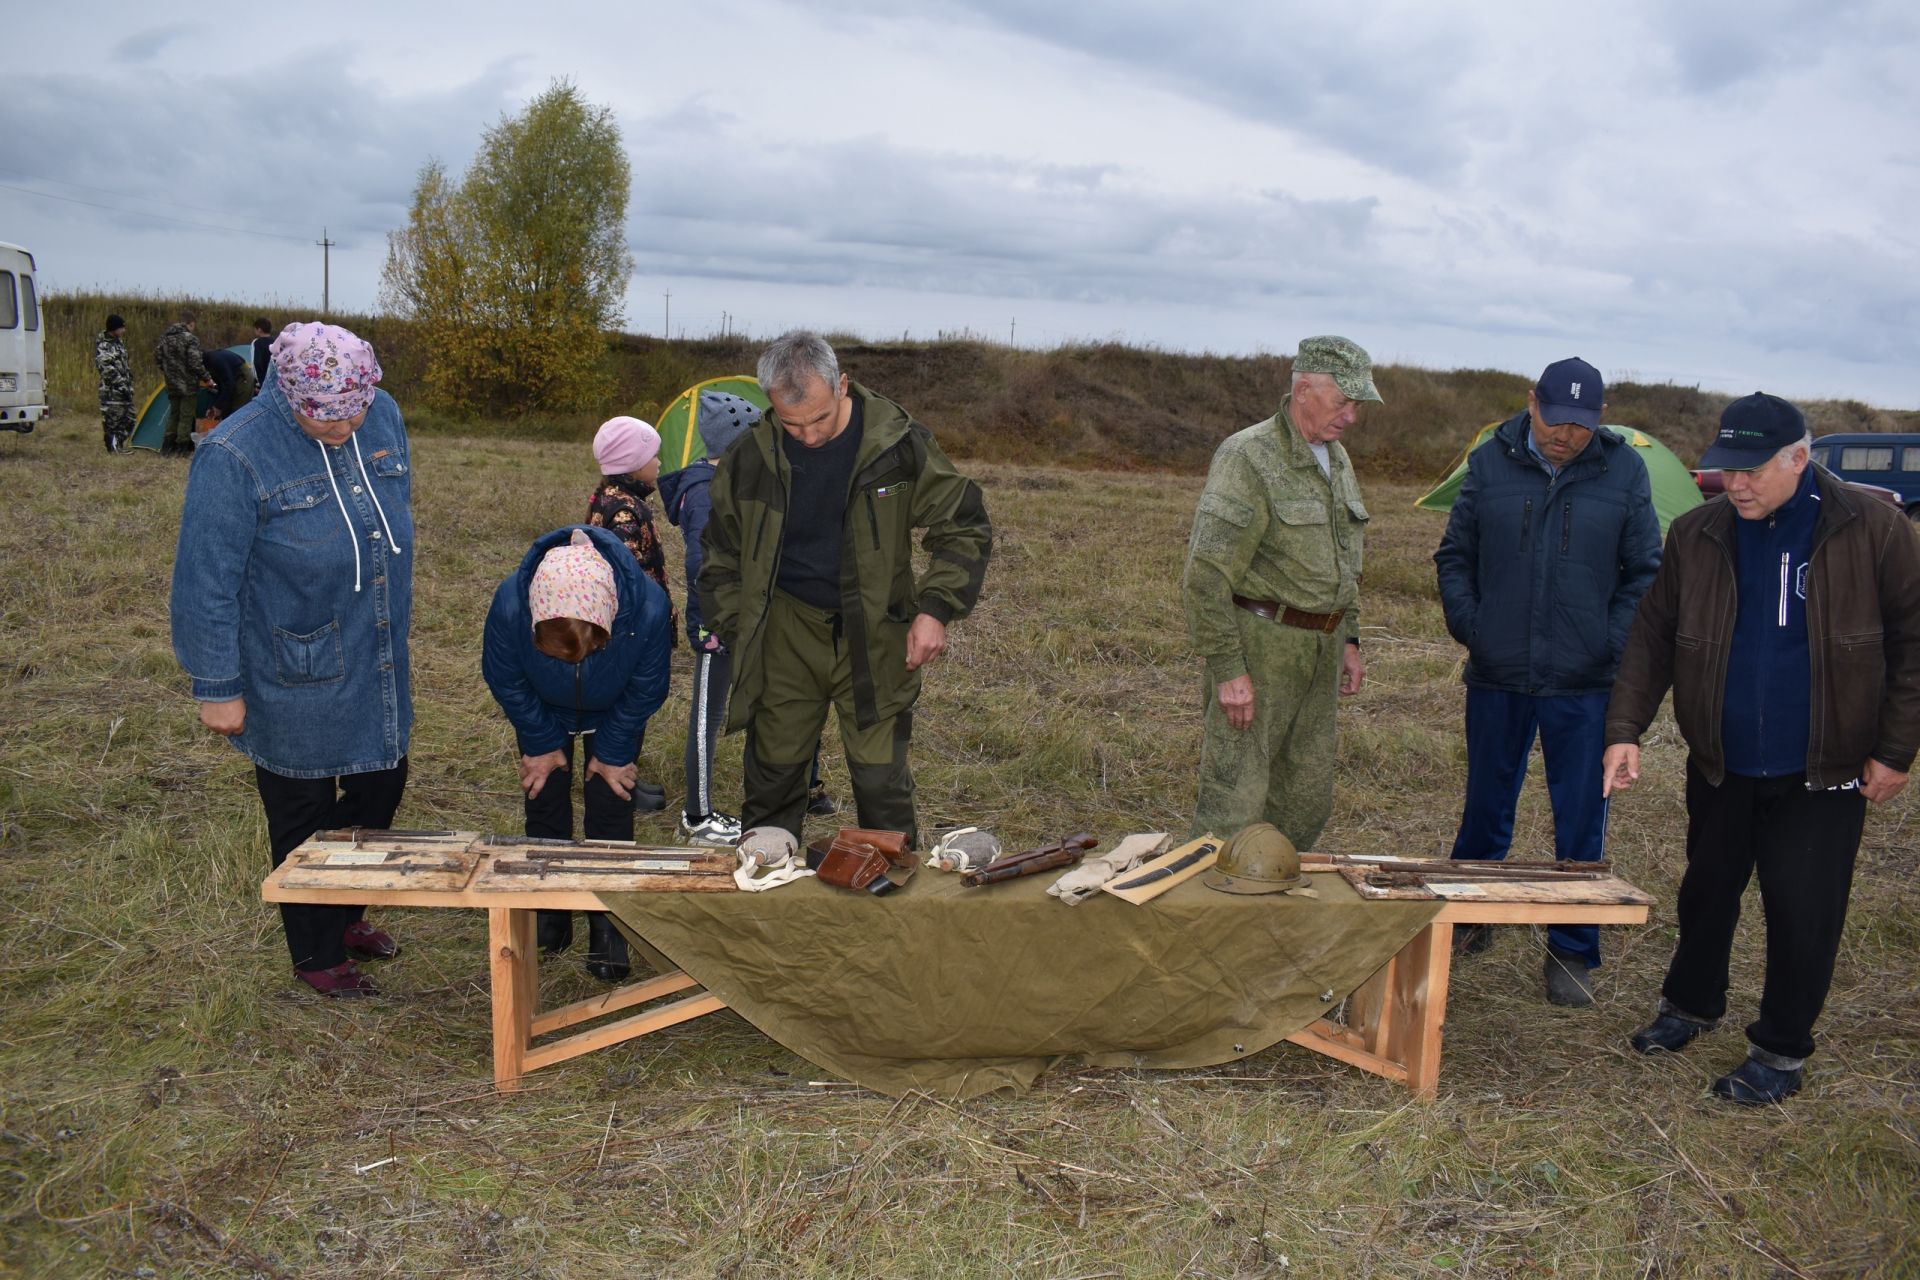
(116, 384)
(185, 371)
(1272, 588)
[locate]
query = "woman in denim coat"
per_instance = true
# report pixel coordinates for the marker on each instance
(292, 596)
(577, 643)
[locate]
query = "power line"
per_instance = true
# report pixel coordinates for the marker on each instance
(159, 217)
(24, 176)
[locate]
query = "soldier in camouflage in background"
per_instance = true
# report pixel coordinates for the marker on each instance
(1272, 588)
(185, 371)
(116, 384)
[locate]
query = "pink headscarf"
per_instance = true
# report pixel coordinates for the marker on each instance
(326, 372)
(574, 581)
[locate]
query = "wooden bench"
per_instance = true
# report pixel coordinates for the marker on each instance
(1393, 1024)
(461, 869)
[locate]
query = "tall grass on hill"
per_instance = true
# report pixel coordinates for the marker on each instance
(171, 1104)
(1104, 406)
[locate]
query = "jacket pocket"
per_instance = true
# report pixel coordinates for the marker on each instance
(1306, 511)
(314, 658)
(1863, 646)
(1357, 510)
(303, 512)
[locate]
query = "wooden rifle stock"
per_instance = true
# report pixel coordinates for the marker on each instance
(1060, 853)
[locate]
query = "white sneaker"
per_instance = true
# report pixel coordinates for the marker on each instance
(716, 829)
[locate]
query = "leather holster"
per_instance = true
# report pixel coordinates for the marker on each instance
(862, 858)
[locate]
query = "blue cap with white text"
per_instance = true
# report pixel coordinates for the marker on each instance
(1753, 429)
(1570, 391)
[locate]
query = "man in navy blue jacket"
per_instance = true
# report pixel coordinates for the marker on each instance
(1547, 551)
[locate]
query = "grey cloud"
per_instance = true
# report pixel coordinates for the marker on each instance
(146, 45)
(1716, 44)
(275, 149)
(1388, 95)
(869, 213)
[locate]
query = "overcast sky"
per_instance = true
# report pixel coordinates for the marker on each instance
(1709, 193)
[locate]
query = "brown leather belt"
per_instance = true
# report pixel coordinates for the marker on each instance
(1274, 611)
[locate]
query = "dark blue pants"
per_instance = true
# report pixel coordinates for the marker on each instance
(1500, 730)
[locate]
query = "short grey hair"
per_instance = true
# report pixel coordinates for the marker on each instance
(1303, 379)
(795, 358)
(1804, 442)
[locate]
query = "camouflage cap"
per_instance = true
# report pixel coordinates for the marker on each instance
(1350, 366)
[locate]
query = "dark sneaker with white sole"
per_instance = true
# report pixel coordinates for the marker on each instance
(721, 830)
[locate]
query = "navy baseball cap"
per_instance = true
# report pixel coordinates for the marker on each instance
(1753, 429)
(1570, 391)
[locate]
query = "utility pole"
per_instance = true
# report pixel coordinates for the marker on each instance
(326, 273)
(1010, 327)
(666, 326)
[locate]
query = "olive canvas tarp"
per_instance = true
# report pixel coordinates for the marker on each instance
(961, 991)
(1674, 490)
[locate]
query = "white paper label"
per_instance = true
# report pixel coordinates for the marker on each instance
(357, 858)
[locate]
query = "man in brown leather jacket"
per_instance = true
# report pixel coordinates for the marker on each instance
(1786, 619)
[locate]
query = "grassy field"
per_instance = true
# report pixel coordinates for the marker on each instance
(172, 1105)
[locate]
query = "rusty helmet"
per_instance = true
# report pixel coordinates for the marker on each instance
(1260, 859)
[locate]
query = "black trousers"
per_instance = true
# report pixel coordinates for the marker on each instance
(550, 814)
(1802, 844)
(298, 807)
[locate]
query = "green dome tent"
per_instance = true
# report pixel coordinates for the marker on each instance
(679, 425)
(1673, 488)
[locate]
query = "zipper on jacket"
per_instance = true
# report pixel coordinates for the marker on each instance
(873, 520)
(1566, 525)
(1526, 526)
(1786, 577)
(760, 531)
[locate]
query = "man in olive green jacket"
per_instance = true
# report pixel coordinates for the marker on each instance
(1272, 590)
(808, 580)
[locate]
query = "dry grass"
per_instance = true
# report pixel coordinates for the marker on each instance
(170, 1104)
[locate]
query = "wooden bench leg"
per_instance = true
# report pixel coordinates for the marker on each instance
(1420, 993)
(1396, 1018)
(514, 963)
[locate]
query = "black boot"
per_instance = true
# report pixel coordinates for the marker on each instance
(606, 948)
(553, 930)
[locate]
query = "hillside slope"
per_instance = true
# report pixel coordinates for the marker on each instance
(1108, 406)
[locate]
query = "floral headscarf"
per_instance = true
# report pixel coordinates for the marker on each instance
(574, 581)
(326, 372)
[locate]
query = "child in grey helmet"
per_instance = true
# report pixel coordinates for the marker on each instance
(723, 418)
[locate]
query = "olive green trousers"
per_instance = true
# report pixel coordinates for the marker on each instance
(807, 670)
(1280, 768)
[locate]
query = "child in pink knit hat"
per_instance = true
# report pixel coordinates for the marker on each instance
(628, 453)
